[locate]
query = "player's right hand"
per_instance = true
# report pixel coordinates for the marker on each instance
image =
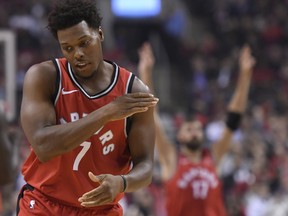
(129, 104)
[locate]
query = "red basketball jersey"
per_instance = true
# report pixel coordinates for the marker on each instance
(194, 190)
(65, 178)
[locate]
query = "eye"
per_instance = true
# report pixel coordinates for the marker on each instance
(68, 48)
(85, 43)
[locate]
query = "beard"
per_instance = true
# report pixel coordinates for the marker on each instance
(194, 145)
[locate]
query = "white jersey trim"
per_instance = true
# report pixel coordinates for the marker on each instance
(126, 91)
(60, 81)
(110, 87)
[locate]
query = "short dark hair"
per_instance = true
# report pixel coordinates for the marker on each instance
(67, 13)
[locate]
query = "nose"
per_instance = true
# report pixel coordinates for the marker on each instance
(78, 53)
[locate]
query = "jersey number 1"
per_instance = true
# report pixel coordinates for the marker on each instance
(86, 145)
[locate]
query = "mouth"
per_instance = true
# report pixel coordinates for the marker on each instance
(81, 65)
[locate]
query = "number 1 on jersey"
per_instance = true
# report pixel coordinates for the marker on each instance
(86, 145)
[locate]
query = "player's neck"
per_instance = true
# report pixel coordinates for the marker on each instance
(194, 156)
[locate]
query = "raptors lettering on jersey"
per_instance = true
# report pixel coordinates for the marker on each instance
(194, 186)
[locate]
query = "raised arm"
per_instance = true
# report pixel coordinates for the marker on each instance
(38, 116)
(237, 104)
(166, 150)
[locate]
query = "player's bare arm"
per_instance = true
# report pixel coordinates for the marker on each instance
(141, 144)
(167, 152)
(38, 116)
(238, 102)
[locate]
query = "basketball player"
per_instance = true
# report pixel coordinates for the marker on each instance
(191, 183)
(89, 122)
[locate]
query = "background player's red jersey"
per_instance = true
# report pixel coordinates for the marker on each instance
(65, 177)
(196, 187)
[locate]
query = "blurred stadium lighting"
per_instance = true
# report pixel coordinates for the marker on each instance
(136, 9)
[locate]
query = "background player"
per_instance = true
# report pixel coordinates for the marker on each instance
(190, 175)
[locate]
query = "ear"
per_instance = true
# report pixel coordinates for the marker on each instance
(101, 33)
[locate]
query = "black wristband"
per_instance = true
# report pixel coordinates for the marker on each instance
(233, 120)
(124, 182)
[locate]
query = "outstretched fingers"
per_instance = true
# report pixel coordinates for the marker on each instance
(139, 99)
(129, 104)
(141, 102)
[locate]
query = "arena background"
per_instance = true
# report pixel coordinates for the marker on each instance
(196, 44)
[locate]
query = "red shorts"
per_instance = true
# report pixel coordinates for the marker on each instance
(33, 202)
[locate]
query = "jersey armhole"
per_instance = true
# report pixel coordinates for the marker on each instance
(57, 81)
(130, 84)
(129, 90)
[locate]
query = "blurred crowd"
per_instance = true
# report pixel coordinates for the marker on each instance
(200, 40)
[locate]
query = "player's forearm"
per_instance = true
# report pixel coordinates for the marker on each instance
(166, 150)
(140, 176)
(49, 140)
(55, 140)
(238, 102)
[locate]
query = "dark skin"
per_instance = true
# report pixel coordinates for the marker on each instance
(81, 46)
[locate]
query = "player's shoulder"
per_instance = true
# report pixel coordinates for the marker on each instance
(43, 72)
(42, 67)
(139, 86)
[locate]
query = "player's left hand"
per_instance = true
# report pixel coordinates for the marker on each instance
(105, 193)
